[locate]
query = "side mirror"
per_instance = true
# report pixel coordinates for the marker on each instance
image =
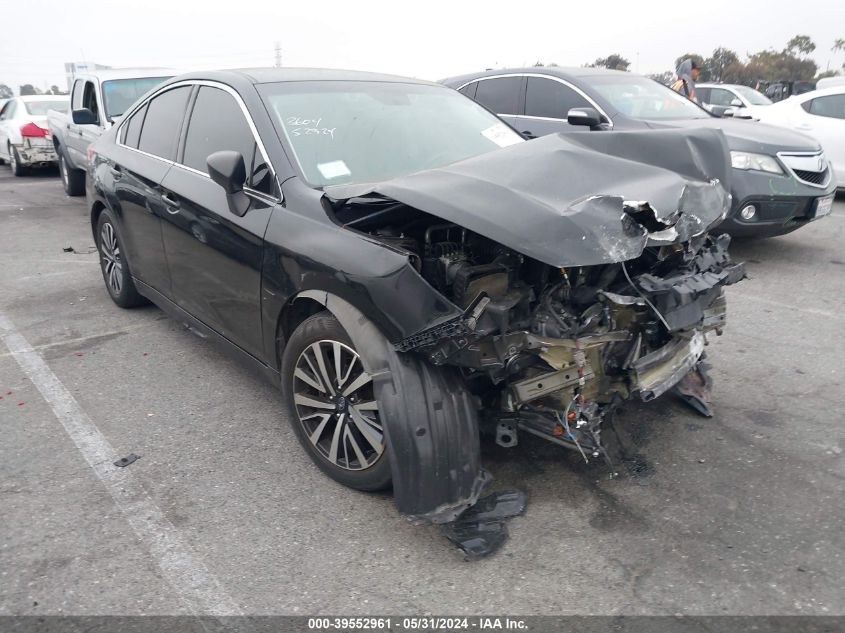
(736, 103)
(84, 116)
(583, 116)
(719, 110)
(227, 169)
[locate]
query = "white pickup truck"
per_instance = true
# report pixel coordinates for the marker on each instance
(97, 101)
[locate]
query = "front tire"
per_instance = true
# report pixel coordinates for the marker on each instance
(114, 265)
(73, 180)
(332, 405)
(15, 162)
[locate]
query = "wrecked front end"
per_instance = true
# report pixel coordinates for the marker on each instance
(581, 278)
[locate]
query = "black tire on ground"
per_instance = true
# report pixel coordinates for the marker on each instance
(342, 433)
(15, 162)
(113, 264)
(73, 180)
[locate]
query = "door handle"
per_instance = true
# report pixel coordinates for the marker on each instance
(172, 205)
(116, 173)
(528, 134)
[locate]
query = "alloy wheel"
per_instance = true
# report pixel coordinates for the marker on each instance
(110, 253)
(336, 406)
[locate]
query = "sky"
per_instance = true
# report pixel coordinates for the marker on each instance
(428, 40)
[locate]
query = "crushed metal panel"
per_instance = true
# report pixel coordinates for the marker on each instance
(560, 199)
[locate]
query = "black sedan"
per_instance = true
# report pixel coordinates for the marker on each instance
(781, 179)
(411, 272)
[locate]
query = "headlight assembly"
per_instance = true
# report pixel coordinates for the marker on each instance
(755, 162)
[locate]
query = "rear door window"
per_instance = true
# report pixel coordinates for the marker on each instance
(832, 106)
(500, 95)
(160, 131)
(551, 99)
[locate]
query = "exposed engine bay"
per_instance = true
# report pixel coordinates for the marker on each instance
(553, 350)
(554, 280)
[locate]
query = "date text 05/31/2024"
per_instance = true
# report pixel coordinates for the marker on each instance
(417, 624)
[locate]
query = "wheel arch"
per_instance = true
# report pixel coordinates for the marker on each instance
(430, 422)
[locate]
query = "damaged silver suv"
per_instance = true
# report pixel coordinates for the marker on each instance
(411, 272)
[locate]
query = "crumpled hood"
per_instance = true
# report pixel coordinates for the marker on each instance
(576, 199)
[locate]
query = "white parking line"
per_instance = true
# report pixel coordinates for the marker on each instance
(198, 588)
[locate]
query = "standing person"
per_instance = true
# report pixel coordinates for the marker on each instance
(687, 73)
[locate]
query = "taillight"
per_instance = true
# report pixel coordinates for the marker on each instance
(30, 129)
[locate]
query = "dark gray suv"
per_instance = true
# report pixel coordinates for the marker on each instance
(780, 179)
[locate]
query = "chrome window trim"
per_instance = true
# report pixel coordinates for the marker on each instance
(247, 190)
(212, 84)
(566, 83)
(819, 153)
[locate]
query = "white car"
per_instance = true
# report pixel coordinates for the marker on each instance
(819, 114)
(25, 140)
(738, 98)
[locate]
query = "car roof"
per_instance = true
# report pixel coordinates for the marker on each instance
(822, 92)
(707, 84)
(564, 72)
(275, 75)
(129, 73)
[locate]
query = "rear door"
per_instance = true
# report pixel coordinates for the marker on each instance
(144, 153)
(547, 103)
(215, 256)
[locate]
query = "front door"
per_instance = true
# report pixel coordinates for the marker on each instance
(215, 256)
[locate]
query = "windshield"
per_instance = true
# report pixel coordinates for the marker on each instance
(119, 94)
(643, 98)
(39, 108)
(752, 96)
(364, 131)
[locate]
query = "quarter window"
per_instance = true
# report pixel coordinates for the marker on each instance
(469, 90)
(160, 132)
(552, 99)
(132, 129)
(499, 95)
(832, 106)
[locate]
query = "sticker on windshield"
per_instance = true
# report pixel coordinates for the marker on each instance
(334, 169)
(502, 135)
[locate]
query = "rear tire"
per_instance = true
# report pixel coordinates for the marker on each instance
(346, 442)
(15, 162)
(113, 263)
(73, 180)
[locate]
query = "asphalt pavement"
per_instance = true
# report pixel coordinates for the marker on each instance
(739, 514)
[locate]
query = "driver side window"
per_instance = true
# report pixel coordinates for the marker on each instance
(89, 99)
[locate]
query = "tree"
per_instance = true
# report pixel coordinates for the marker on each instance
(6, 92)
(826, 73)
(838, 45)
(27, 89)
(614, 61)
(55, 90)
(800, 44)
(718, 61)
